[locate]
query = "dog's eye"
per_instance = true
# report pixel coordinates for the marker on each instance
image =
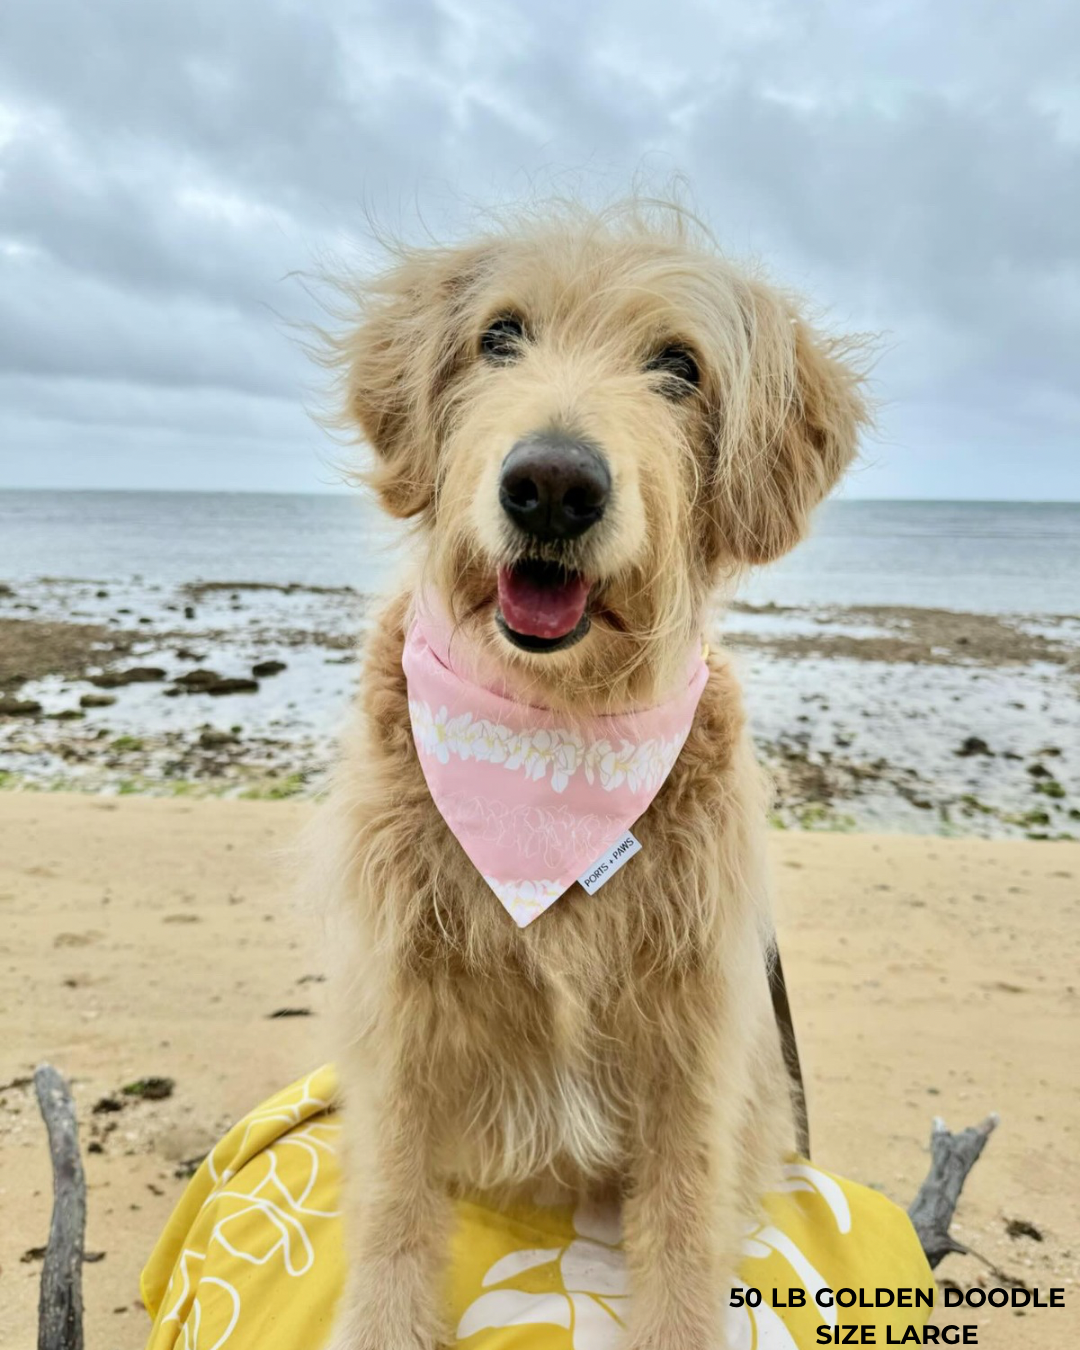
(503, 338)
(679, 370)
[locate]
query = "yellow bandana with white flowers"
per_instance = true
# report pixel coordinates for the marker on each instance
(252, 1256)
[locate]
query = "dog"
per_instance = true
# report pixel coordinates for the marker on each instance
(596, 423)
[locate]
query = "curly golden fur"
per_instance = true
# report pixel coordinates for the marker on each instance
(625, 1044)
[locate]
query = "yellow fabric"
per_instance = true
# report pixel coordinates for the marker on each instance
(251, 1259)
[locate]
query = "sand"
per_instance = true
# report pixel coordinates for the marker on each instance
(153, 937)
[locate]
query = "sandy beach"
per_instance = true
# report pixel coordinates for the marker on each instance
(609, 333)
(149, 938)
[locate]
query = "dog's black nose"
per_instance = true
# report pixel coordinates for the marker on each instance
(554, 487)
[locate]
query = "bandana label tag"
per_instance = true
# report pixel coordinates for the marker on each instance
(605, 867)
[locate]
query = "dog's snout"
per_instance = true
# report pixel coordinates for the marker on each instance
(554, 487)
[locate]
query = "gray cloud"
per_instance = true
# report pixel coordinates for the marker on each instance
(164, 168)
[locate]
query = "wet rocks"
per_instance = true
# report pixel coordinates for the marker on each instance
(210, 682)
(196, 681)
(262, 669)
(973, 745)
(233, 686)
(116, 679)
(212, 739)
(18, 707)
(96, 701)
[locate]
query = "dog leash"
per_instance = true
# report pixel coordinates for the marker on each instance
(790, 1049)
(786, 1027)
(789, 1046)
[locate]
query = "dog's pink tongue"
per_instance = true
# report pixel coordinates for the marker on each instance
(539, 610)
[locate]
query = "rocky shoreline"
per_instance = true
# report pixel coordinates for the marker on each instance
(925, 720)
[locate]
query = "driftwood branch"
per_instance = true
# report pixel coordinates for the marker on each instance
(60, 1304)
(952, 1158)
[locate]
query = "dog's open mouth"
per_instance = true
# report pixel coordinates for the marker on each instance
(542, 606)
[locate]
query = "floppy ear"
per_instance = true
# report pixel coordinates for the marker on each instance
(787, 432)
(397, 364)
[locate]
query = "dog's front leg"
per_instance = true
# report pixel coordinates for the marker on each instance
(397, 1218)
(680, 1216)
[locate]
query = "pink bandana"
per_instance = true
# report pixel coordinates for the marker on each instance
(534, 798)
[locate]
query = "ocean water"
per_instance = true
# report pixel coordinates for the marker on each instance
(988, 557)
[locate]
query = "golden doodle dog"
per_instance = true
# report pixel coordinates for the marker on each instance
(597, 424)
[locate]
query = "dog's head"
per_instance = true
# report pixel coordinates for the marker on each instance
(595, 420)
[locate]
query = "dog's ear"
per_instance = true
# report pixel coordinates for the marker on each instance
(397, 364)
(787, 431)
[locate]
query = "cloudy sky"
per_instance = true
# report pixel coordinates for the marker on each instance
(164, 167)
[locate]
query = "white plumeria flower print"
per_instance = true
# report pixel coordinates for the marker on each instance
(525, 900)
(568, 756)
(459, 734)
(593, 1274)
(539, 754)
(437, 735)
(760, 1328)
(492, 743)
(282, 1242)
(593, 756)
(420, 716)
(662, 757)
(516, 750)
(431, 731)
(769, 1239)
(558, 749)
(641, 770)
(615, 767)
(801, 1176)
